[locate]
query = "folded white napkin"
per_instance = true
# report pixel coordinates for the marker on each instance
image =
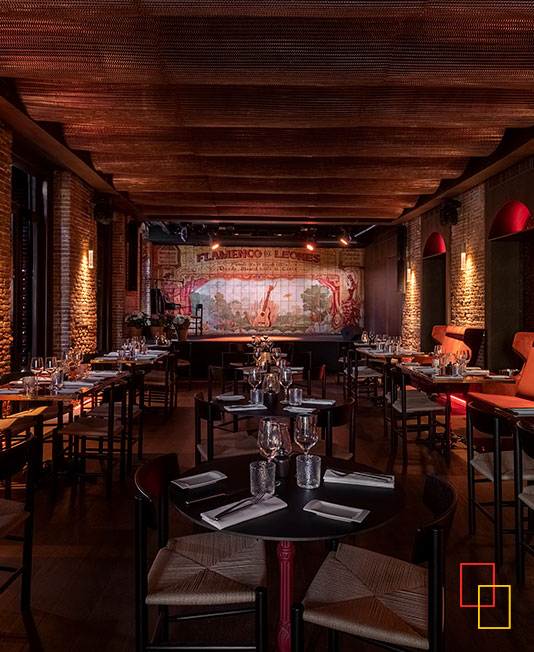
(199, 480)
(296, 369)
(318, 401)
(358, 478)
(111, 354)
(230, 397)
(451, 377)
(102, 374)
(335, 511)
(244, 408)
(10, 390)
(266, 505)
(76, 384)
(498, 377)
(299, 410)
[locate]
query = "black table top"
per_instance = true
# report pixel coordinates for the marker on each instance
(278, 409)
(291, 523)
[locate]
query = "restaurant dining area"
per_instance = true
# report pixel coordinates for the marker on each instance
(266, 325)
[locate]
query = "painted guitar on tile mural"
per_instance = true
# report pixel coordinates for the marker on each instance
(265, 316)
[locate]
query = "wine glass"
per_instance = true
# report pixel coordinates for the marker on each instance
(286, 380)
(276, 354)
(269, 438)
(51, 364)
(36, 365)
(254, 377)
(256, 354)
(306, 432)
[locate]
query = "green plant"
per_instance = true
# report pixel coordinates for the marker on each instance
(137, 319)
(181, 322)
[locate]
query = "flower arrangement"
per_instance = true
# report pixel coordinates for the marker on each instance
(158, 319)
(137, 319)
(181, 322)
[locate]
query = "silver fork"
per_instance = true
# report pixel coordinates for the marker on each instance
(246, 502)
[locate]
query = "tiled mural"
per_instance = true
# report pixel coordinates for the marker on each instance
(271, 290)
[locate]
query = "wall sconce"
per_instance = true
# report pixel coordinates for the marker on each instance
(90, 259)
(463, 257)
(408, 271)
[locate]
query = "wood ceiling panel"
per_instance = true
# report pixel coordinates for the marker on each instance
(339, 108)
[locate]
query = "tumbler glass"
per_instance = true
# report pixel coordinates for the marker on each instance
(308, 471)
(262, 477)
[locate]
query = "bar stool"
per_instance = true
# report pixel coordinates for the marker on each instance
(524, 500)
(494, 467)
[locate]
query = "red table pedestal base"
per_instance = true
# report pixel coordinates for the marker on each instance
(286, 553)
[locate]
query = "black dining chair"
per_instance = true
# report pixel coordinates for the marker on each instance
(524, 501)
(217, 441)
(383, 600)
(14, 514)
(206, 576)
(493, 466)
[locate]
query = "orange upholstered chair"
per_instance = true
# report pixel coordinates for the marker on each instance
(524, 389)
(438, 333)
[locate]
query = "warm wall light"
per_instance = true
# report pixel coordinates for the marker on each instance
(408, 271)
(214, 242)
(90, 259)
(463, 257)
(344, 238)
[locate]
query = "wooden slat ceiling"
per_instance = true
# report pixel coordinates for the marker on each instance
(328, 110)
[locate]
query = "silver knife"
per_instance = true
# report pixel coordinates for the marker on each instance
(242, 504)
(223, 493)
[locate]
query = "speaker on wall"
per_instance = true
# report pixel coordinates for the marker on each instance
(132, 255)
(448, 211)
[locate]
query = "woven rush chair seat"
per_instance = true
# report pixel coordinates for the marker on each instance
(483, 463)
(155, 378)
(12, 514)
(229, 444)
(102, 411)
(370, 595)
(206, 569)
(365, 372)
(418, 404)
(527, 496)
(87, 427)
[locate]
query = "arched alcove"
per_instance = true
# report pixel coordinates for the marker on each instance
(512, 218)
(434, 287)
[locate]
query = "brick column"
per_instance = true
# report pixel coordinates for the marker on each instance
(75, 308)
(411, 310)
(5, 249)
(118, 281)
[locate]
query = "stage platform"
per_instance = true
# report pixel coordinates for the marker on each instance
(207, 349)
(274, 338)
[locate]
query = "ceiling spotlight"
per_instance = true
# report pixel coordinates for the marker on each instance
(344, 238)
(214, 242)
(311, 243)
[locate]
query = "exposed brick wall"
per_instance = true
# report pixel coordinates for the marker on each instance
(118, 280)
(5, 249)
(75, 232)
(468, 286)
(411, 310)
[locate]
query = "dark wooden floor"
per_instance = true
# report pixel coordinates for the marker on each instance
(83, 583)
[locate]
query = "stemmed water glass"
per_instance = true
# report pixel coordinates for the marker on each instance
(254, 377)
(286, 380)
(51, 364)
(269, 438)
(276, 354)
(36, 365)
(306, 435)
(256, 354)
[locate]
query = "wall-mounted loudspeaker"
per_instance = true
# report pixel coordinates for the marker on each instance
(448, 211)
(103, 209)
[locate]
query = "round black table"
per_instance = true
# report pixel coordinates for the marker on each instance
(291, 523)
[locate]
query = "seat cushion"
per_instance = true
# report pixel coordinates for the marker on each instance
(501, 400)
(91, 427)
(102, 411)
(370, 595)
(365, 373)
(207, 569)
(12, 514)
(483, 463)
(527, 496)
(228, 444)
(418, 404)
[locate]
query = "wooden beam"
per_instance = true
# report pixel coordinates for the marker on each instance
(516, 145)
(60, 154)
